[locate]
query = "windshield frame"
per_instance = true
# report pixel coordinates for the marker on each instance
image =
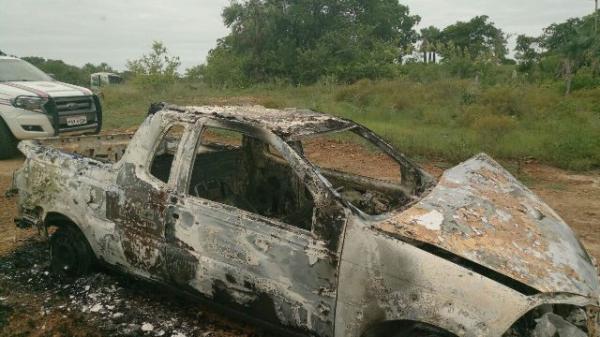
(407, 166)
(29, 72)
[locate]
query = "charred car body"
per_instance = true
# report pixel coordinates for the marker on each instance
(258, 228)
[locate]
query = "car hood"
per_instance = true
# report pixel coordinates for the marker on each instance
(42, 89)
(483, 214)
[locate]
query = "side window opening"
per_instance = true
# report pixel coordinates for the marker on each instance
(361, 172)
(96, 80)
(164, 155)
(242, 171)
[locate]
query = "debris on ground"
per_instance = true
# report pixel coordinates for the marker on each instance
(112, 305)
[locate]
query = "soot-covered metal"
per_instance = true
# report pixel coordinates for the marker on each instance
(256, 228)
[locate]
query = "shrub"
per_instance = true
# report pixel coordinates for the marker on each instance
(155, 70)
(449, 119)
(504, 100)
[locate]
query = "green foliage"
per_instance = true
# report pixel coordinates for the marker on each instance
(101, 68)
(527, 52)
(473, 39)
(66, 72)
(60, 70)
(155, 70)
(445, 118)
(225, 69)
(303, 41)
(569, 50)
(585, 78)
(195, 73)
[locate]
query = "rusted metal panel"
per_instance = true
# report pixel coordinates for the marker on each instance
(486, 233)
(482, 213)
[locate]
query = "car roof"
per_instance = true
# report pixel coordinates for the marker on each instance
(286, 123)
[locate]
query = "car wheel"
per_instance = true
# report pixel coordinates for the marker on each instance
(70, 254)
(8, 143)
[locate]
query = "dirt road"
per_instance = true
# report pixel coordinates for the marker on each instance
(33, 303)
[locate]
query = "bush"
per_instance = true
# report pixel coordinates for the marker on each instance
(155, 70)
(585, 79)
(225, 69)
(449, 119)
(504, 100)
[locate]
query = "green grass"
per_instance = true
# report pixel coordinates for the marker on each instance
(447, 119)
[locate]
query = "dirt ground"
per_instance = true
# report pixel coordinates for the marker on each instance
(34, 303)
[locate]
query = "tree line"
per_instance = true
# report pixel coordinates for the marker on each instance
(67, 72)
(300, 42)
(568, 50)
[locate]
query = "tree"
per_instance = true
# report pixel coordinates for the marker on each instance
(196, 72)
(430, 38)
(60, 70)
(574, 41)
(101, 68)
(474, 39)
(2, 53)
(300, 41)
(155, 69)
(527, 52)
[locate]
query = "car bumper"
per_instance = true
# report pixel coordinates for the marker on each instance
(18, 121)
(26, 124)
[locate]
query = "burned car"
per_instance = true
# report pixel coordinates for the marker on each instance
(234, 206)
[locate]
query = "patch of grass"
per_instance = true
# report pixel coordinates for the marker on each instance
(448, 119)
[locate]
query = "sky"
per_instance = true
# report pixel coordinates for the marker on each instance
(82, 31)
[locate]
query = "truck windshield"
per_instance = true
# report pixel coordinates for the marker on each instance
(19, 70)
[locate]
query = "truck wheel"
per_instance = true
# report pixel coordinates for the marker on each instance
(70, 254)
(8, 143)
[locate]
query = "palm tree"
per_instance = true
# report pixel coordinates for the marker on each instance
(430, 37)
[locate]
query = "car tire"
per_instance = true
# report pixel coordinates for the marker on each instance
(8, 143)
(70, 254)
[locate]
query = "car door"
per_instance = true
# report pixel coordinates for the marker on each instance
(260, 266)
(138, 207)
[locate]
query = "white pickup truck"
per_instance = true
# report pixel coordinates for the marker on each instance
(33, 105)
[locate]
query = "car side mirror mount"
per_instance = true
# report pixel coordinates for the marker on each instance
(328, 223)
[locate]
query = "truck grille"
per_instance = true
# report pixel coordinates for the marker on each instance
(68, 107)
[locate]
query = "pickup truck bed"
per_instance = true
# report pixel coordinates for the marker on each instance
(107, 148)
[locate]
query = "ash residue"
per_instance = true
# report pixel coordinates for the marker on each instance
(112, 304)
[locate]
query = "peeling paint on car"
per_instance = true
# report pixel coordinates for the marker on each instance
(470, 255)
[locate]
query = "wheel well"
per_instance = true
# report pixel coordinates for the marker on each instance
(401, 328)
(58, 220)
